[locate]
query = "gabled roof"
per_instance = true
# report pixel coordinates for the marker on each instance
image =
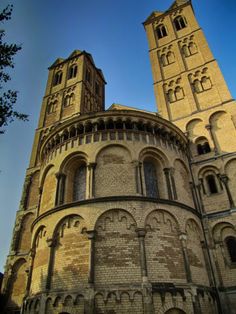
(58, 61)
(122, 107)
(89, 56)
(78, 53)
(75, 53)
(153, 15)
(175, 5)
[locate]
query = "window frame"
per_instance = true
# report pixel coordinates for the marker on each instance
(180, 23)
(231, 250)
(57, 79)
(161, 31)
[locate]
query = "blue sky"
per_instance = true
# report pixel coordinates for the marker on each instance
(112, 32)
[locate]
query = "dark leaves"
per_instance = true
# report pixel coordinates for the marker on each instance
(8, 98)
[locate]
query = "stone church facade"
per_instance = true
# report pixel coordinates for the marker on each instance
(125, 211)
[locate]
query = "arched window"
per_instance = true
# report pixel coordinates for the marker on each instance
(197, 86)
(97, 88)
(150, 176)
(69, 100)
(164, 60)
(199, 149)
(79, 188)
(72, 71)
(203, 146)
(52, 107)
(211, 182)
(171, 95)
(180, 22)
(170, 57)
(206, 148)
(231, 246)
(179, 94)
(57, 78)
(161, 31)
(192, 48)
(206, 83)
(186, 51)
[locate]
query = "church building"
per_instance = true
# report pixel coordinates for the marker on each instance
(127, 211)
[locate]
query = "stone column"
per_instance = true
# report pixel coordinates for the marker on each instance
(206, 259)
(224, 178)
(192, 187)
(25, 193)
(140, 165)
(60, 193)
(196, 303)
(136, 165)
(167, 176)
(173, 186)
(51, 242)
(183, 239)
(32, 255)
(141, 232)
(91, 168)
(209, 129)
(39, 201)
(89, 299)
(147, 288)
(198, 186)
(91, 236)
(87, 190)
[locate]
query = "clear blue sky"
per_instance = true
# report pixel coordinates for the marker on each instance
(112, 32)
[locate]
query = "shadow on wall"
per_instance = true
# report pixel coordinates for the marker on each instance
(59, 301)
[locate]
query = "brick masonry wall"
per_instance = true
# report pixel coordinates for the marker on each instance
(33, 195)
(24, 244)
(71, 255)
(195, 253)
(114, 173)
(163, 248)
(116, 249)
(40, 263)
(17, 284)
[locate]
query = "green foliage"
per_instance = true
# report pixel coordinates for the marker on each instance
(8, 97)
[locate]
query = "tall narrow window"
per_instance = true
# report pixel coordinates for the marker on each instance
(88, 76)
(231, 246)
(206, 148)
(161, 31)
(150, 179)
(97, 88)
(72, 71)
(180, 22)
(80, 183)
(203, 146)
(211, 182)
(57, 78)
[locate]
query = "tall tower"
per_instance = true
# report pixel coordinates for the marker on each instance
(191, 92)
(188, 83)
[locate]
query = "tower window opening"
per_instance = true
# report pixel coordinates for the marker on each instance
(79, 189)
(97, 88)
(88, 76)
(231, 247)
(203, 148)
(57, 78)
(52, 107)
(72, 71)
(161, 31)
(180, 22)
(211, 182)
(69, 100)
